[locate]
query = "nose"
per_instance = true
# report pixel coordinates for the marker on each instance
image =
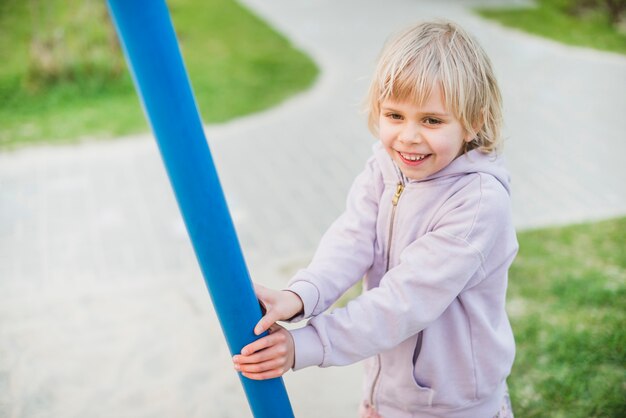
(410, 134)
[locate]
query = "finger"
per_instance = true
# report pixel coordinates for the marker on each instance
(270, 374)
(263, 324)
(266, 322)
(260, 344)
(262, 292)
(270, 353)
(265, 370)
(269, 316)
(274, 363)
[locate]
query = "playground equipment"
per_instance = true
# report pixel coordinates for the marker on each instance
(149, 42)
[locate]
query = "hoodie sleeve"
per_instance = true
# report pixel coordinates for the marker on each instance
(432, 272)
(345, 251)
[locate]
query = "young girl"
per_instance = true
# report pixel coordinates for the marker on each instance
(428, 225)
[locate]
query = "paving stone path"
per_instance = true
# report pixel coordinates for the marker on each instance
(103, 312)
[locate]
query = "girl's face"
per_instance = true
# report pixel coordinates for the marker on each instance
(421, 139)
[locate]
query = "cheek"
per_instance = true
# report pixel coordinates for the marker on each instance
(447, 147)
(385, 134)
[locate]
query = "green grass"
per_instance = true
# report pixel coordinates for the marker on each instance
(590, 28)
(567, 301)
(236, 63)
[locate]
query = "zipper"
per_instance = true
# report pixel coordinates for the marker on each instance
(394, 205)
(372, 404)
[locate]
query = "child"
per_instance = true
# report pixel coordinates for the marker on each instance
(428, 225)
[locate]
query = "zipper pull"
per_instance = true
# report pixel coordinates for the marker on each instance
(396, 196)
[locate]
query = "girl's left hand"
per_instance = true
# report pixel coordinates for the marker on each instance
(268, 357)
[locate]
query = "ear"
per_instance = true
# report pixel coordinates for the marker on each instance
(476, 127)
(471, 135)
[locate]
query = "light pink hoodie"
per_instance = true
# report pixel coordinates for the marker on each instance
(430, 324)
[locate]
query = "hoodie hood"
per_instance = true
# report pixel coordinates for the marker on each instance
(471, 162)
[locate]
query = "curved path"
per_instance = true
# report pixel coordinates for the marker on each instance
(102, 308)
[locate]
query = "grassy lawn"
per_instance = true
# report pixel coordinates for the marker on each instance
(63, 77)
(566, 21)
(567, 301)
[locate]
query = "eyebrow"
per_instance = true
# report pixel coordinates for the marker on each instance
(439, 114)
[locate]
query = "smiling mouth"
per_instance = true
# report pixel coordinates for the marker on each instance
(412, 159)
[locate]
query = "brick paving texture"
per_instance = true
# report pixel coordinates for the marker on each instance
(103, 311)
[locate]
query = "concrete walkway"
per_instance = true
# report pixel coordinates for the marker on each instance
(103, 311)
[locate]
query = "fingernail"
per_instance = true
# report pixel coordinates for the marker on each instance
(257, 330)
(237, 367)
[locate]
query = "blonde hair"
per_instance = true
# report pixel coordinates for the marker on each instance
(440, 52)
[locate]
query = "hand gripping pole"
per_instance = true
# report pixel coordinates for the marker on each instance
(149, 42)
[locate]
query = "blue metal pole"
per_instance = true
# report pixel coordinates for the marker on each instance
(151, 49)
